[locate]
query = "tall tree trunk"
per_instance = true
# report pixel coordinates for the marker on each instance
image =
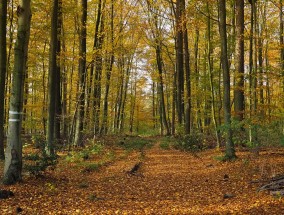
(13, 153)
(253, 72)
(230, 149)
(210, 71)
(104, 127)
(58, 107)
(124, 95)
(78, 141)
(49, 148)
(179, 62)
(281, 42)
(187, 73)
(64, 83)
(3, 68)
(260, 41)
(98, 77)
(43, 110)
(197, 82)
(93, 78)
(239, 98)
(281, 45)
(163, 115)
(132, 104)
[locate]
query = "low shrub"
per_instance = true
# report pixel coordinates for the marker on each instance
(190, 142)
(38, 163)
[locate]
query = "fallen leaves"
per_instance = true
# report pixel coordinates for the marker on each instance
(173, 182)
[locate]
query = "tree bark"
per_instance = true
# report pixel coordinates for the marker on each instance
(104, 127)
(98, 77)
(281, 42)
(179, 62)
(58, 106)
(230, 149)
(78, 141)
(163, 115)
(239, 98)
(13, 153)
(187, 73)
(210, 68)
(49, 148)
(3, 68)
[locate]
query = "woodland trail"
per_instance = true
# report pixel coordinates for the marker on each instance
(168, 182)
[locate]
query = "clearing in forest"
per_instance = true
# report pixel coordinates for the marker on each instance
(149, 179)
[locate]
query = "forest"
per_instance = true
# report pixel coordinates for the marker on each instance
(139, 106)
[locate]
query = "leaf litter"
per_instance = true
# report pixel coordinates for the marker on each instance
(166, 182)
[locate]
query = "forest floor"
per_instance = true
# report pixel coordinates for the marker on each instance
(167, 182)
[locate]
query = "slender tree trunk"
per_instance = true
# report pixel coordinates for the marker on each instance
(58, 106)
(163, 115)
(210, 68)
(281, 42)
(253, 73)
(94, 67)
(282, 47)
(104, 127)
(174, 104)
(124, 95)
(132, 104)
(230, 149)
(187, 73)
(260, 41)
(49, 148)
(64, 87)
(98, 78)
(239, 98)
(3, 68)
(154, 105)
(13, 153)
(196, 73)
(179, 62)
(78, 141)
(43, 110)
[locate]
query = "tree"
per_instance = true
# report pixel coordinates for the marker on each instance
(82, 75)
(239, 98)
(49, 148)
(13, 153)
(281, 42)
(3, 60)
(180, 60)
(210, 72)
(230, 149)
(187, 72)
(253, 72)
(109, 66)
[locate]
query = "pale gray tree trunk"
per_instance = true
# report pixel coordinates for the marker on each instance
(3, 65)
(82, 75)
(13, 153)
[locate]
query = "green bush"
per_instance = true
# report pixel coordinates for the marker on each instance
(190, 142)
(165, 145)
(136, 144)
(38, 163)
(39, 141)
(85, 153)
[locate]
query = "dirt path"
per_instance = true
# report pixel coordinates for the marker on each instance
(169, 182)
